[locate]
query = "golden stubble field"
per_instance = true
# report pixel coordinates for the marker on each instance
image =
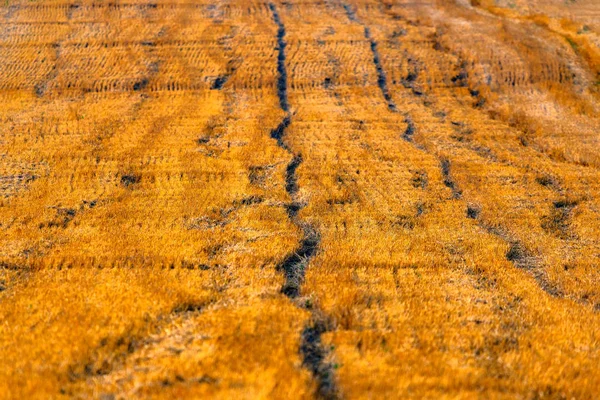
(300, 199)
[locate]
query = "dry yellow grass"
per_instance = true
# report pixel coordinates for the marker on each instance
(300, 199)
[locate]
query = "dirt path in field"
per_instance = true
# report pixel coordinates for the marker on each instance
(313, 353)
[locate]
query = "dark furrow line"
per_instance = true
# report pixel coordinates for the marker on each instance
(520, 256)
(448, 180)
(294, 266)
(278, 132)
(381, 76)
(282, 72)
(221, 80)
(314, 359)
(462, 80)
(410, 129)
(558, 222)
(517, 254)
(291, 180)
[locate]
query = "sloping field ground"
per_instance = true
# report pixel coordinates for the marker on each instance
(300, 199)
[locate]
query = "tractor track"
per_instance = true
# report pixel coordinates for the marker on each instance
(381, 76)
(382, 81)
(313, 353)
(517, 254)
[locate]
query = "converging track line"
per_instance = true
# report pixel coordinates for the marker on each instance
(294, 266)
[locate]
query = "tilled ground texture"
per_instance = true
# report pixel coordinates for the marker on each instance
(300, 199)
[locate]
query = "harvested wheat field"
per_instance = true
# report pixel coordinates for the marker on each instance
(244, 199)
